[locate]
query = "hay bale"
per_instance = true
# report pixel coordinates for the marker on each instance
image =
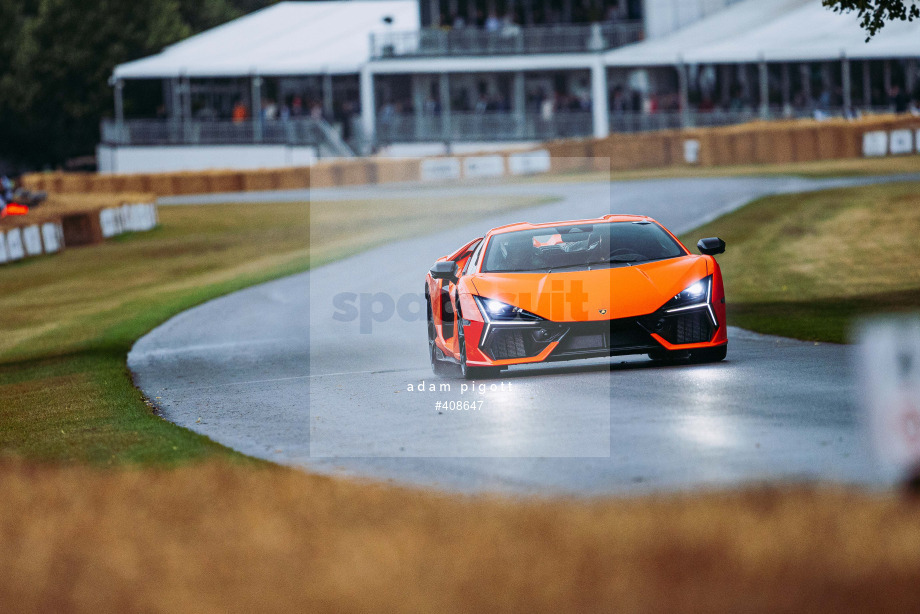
(392, 171)
(73, 183)
(829, 141)
(722, 152)
(34, 181)
(294, 178)
(161, 184)
(743, 146)
(321, 176)
(224, 181)
(190, 183)
(81, 229)
(354, 172)
(137, 182)
(805, 142)
(259, 181)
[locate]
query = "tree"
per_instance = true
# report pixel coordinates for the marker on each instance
(874, 14)
(56, 57)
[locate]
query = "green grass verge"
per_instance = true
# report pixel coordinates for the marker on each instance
(808, 265)
(69, 320)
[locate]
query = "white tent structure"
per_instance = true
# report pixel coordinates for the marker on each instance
(774, 31)
(748, 45)
(289, 38)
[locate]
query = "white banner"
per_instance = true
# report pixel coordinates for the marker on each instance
(32, 239)
(875, 143)
(3, 255)
(483, 166)
(14, 248)
(901, 142)
(110, 221)
(691, 151)
(440, 169)
(52, 237)
(529, 163)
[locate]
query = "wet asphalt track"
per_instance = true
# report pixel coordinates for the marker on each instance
(270, 372)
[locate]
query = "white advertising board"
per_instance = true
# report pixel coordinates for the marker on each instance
(440, 169)
(52, 237)
(32, 240)
(888, 363)
(14, 248)
(529, 163)
(692, 151)
(483, 166)
(110, 221)
(875, 143)
(901, 142)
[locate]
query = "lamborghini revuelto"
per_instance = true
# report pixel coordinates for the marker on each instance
(616, 285)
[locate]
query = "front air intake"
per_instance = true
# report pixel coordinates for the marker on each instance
(684, 328)
(508, 344)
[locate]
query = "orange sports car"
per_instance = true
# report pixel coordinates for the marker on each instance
(616, 285)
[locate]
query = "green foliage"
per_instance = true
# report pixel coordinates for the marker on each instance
(56, 57)
(874, 14)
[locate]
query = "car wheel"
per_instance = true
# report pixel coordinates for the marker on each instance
(438, 367)
(472, 372)
(709, 354)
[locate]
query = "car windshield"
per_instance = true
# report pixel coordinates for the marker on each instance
(571, 247)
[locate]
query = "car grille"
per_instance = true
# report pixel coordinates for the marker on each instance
(692, 327)
(508, 344)
(594, 336)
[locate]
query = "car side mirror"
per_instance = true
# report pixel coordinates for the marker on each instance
(711, 246)
(446, 269)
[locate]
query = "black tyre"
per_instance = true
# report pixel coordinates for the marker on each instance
(709, 354)
(439, 367)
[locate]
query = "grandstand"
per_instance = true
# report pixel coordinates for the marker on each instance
(300, 81)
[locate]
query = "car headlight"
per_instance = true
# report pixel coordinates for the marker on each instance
(493, 309)
(695, 294)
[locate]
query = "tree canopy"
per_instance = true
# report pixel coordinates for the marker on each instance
(874, 14)
(56, 57)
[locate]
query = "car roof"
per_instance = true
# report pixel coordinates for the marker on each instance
(613, 217)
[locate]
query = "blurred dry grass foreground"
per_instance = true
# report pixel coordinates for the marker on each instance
(215, 538)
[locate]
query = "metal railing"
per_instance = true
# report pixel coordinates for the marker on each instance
(511, 40)
(469, 127)
(509, 126)
(673, 120)
(299, 132)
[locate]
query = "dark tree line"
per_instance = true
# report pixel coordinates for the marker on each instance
(56, 57)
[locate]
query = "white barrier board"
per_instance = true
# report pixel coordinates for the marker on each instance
(875, 143)
(888, 355)
(3, 256)
(32, 240)
(901, 142)
(440, 169)
(150, 216)
(529, 163)
(14, 248)
(692, 151)
(52, 237)
(110, 221)
(484, 166)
